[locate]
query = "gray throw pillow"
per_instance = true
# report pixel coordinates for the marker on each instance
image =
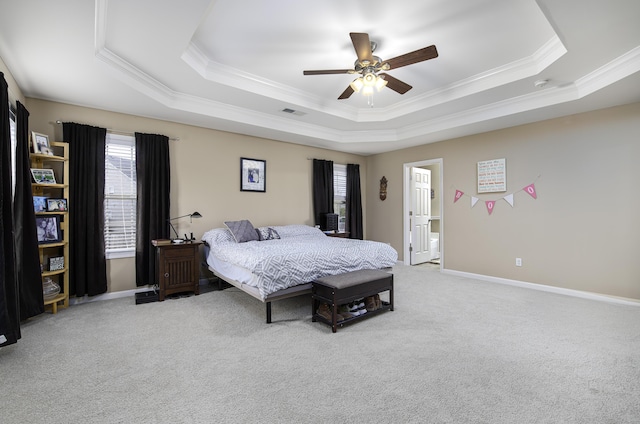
(267, 233)
(242, 231)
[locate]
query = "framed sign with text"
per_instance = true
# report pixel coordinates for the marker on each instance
(492, 176)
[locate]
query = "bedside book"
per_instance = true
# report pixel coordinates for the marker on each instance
(161, 242)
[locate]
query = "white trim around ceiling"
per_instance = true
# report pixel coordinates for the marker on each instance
(608, 74)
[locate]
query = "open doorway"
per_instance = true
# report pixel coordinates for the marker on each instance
(431, 231)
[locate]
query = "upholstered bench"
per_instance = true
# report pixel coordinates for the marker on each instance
(336, 290)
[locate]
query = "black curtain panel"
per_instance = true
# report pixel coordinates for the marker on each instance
(322, 189)
(87, 262)
(9, 293)
(354, 202)
(153, 188)
(26, 238)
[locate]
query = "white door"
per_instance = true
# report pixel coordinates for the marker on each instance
(420, 215)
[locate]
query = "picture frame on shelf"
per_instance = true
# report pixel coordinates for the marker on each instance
(43, 176)
(56, 263)
(40, 141)
(48, 229)
(253, 175)
(39, 204)
(57, 205)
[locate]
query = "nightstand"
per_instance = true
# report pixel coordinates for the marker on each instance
(177, 268)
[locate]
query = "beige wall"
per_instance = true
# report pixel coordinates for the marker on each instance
(205, 173)
(14, 91)
(582, 232)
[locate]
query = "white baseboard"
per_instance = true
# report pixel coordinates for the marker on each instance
(542, 287)
(116, 295)
(106, 296)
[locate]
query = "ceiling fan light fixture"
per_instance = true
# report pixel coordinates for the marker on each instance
(367, 90)
(380, 83)
(357, 84)
(370, 79)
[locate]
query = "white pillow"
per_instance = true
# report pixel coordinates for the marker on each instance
(287, 231)
(218, 236)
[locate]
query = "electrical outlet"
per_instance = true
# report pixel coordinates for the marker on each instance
(518, 261)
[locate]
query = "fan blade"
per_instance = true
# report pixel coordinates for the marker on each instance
(413, 57)
(346, 93)
(328, 71)
(395, 84)
(362, 45)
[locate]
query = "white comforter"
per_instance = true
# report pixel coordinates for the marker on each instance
(303, 254)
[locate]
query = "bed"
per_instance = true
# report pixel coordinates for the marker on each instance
(278, 262)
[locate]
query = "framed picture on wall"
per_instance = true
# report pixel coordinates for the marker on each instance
(492, 176)
(253, 175)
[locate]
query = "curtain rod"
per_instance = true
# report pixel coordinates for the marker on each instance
(125, 132)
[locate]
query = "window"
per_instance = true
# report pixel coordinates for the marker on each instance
(120, 196)
(340, 194)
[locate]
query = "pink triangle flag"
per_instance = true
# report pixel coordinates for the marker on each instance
(458, 196)
(490, 204)
(531, 190)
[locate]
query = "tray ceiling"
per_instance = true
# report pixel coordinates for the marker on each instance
(236, 66)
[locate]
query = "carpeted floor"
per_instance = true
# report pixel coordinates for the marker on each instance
(455, 350)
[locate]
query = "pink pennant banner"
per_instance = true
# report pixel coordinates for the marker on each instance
(531, 190)
(458, 196)
(490, 204)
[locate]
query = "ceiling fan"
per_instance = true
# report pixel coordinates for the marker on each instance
(369, 67)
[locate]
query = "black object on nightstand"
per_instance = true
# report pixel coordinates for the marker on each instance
(330, 222)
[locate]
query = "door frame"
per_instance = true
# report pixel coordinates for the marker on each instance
(406, 206)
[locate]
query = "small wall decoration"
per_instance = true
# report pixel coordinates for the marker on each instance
(491, 204)
(492, 176)
(56, 263)
(57, 205)
(383, 188)
(39, 142)
(39, 204)
(43, 176)
(253, 175)
(48, 229)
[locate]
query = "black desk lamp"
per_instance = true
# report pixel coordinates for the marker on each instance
(191, 216)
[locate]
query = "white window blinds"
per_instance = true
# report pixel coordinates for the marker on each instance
(340, 193)
(340, 181)
(120, 195)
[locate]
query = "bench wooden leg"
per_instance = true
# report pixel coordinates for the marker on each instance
(314, 308)
(268, 312)
(334, 317)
